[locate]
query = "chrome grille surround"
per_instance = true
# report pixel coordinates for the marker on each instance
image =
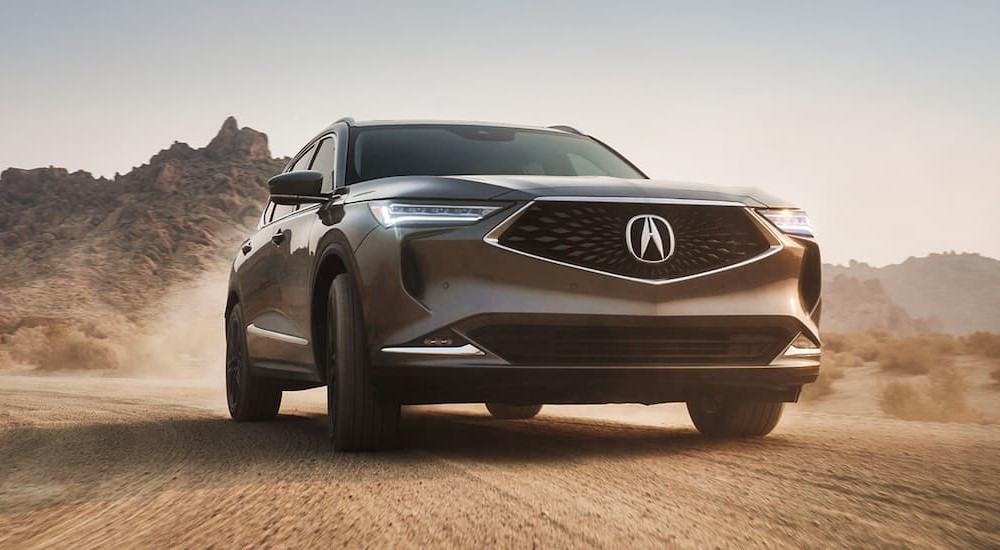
(770, 241)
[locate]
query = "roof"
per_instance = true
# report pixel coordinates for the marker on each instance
(369, 123)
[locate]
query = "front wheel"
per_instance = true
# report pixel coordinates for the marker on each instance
(735, 417)
(361, 419)
(513, 412)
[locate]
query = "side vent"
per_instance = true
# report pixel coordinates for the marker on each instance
(412, 281)
(811, 276)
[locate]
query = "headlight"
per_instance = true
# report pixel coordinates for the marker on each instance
(793, 222)
(391, 214)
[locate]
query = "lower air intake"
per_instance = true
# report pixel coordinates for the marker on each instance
(623, 346)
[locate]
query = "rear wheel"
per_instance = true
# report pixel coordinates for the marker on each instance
(360, 418)
(735, 417)
(513, 412)
(249, 397)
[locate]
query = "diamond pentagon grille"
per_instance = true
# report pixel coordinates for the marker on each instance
(592, 235)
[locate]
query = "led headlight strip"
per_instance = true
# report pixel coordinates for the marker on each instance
(790, 221)
(392, 214)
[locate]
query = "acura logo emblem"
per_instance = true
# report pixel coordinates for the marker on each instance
(649, 238)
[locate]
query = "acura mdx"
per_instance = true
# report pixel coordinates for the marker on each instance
(438, 262)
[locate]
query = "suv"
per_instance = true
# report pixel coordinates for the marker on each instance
(438, 262)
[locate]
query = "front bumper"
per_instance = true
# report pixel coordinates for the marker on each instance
(453, 288)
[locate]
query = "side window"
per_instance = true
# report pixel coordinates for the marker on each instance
(265, 218)
(282, 210)
(324, 162)
(274, 212)
(304, 160)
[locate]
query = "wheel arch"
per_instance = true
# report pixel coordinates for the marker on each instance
(332, 262)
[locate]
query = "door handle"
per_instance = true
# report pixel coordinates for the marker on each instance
(246, 248)
(278, 237)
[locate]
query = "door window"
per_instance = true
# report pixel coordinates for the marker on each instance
(304, 160)
(282, 210)
(265, 217)
(324, 162)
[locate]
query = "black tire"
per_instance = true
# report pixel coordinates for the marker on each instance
(513, 412)
(735, 418)
(360, 418)
(250, 398)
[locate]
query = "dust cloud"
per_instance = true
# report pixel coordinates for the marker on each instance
(182, 336)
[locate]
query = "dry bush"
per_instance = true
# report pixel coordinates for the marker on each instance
(62, 346)
(865, 345)
(942, 399)
(942, 343)
(986, 344)
(916, 355)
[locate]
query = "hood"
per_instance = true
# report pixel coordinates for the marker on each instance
(520, 188)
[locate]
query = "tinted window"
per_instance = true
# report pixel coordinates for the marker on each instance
(324, 162)
(303, 162)
(583, 166)
(282, 210)
(265, 218)
(443, 150)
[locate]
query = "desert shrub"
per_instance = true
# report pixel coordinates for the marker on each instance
(5, 360)
(942, 343)
(62, 346)
(943, 398)
(986, 344)
(865, 345)
(914, 355)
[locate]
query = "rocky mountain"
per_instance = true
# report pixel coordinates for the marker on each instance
(78, 247)
(956, 293)
(856, 305)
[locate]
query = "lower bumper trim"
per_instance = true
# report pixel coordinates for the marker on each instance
(467, 350)
(589, 385)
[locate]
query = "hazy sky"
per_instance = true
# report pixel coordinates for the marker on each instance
(882, 119)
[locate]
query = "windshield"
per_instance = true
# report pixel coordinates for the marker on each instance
(463, 150)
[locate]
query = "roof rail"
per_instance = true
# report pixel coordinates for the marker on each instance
(348, 119)
(565, 128)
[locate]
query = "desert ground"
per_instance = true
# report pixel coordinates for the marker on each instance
(102, 461)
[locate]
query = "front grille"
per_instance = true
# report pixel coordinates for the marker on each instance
(622, 345)
(592, 235)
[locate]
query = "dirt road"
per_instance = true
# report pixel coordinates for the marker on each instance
(88, 462)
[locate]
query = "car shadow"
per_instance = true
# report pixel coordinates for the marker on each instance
(60, 463)
(207, 440)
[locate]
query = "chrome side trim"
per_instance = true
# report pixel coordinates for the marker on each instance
(493, 237)
(467, 349)
(271, 335)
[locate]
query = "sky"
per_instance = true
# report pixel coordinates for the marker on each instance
(881, 119)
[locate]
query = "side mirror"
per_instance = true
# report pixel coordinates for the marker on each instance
(297, 187)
